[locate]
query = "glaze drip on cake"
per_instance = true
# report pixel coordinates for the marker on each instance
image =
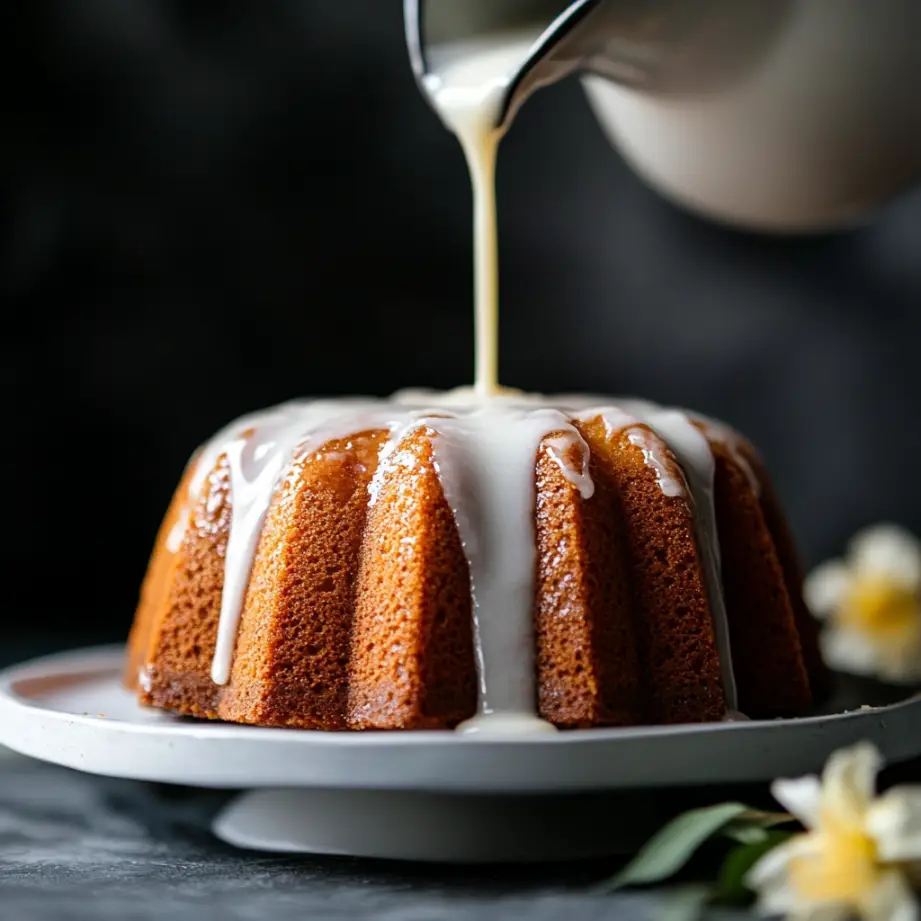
(258, 449)
(730, 439)
(692, 449)
(485, 461)
(484, 455)
(693, 452)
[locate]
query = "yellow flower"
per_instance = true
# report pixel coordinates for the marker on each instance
(871, 602)
(859, 851)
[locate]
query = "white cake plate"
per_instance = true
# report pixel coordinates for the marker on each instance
(417, 795)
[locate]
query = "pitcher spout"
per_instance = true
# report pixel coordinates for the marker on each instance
(656, 46)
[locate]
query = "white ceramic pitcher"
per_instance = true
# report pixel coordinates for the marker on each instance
(778, 115)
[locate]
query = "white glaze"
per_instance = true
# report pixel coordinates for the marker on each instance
(617, 419)
(669, 484)
(485, 461)
(736, 716)
(259, 448)
(558, 446)
(692, 450)
(484, 454)
(506, 724)
(468, 82)
(178, 530)
(732, 442)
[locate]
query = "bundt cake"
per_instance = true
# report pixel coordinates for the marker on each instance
(524, 563)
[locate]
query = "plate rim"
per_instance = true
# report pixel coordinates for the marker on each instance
(82, 740)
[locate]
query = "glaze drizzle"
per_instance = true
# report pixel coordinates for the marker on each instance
(484, 454)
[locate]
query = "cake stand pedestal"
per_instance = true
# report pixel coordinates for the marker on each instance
(447, 828)
(422, 795)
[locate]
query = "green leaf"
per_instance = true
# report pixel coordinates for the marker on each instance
(753, 826)
(684, 903)
(745, 834)
(731, 886)
(674, 845)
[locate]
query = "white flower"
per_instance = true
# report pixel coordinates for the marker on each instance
(871, 602)
(858, 854)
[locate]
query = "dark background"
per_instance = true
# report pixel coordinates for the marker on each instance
(213, 206)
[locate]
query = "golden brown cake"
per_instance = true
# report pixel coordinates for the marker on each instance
(517, 564)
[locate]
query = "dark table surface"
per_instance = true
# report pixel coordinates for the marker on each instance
(79, 847)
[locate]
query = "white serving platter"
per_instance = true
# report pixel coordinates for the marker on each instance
(415, 795)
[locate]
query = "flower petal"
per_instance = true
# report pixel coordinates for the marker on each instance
(890, 900)
(849, 785)
(848, 650)
(776, 901)
(769, 877)
(894, 823)
(801, 797)
(890, 551)
(826, 587)
(771, 869)
(896, 659)
(823, 911)
(901, 664)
